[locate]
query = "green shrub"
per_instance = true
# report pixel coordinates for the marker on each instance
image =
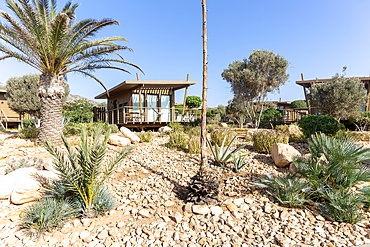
(27, 123)
(145, 136)
(104, 201)
(178, 139)
(288, 189)
(176, 126)
(217, 136)
(318, 123)
(78, 111)
(46, 214)
(193, 131)
(282, 127)
(214, 122)
(194, 144)
(30, 132)
(72, 129)
(211, 128)
(263, 141)
(297, 138)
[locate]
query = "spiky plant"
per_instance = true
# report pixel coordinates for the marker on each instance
(239, 162)
(288, 189)
(52, 43)
(83, 172)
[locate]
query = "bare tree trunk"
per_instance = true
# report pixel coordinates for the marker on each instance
(51, 91)
(203, 158)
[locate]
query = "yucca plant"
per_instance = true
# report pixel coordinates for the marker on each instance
(82, 172)
(222, 156)
(288, 189)
(239, 162)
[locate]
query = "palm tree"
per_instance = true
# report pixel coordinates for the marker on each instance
(52, 43)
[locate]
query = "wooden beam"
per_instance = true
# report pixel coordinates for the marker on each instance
(137, 76)
(141, 108)
(172, 106)
(183, 105)
(187, 78)
(305, 95)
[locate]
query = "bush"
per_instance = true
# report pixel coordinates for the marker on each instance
(79, 111)
(75, 128)
(30, 132)
(27, 123)
(176, 126)
(145, 136)
(263, 141)
(217, 137)
(318, 123)
(193, 131)
(104, 201)
(297, 138)
(178, 139)
(46, 214)
(282, 127)
(194, 144)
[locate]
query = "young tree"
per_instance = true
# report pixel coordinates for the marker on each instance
(298, 104)
(22, 94)
(235, 112)
(50, 42)
(270, 116)
(361, 121)
(253, 78)
(341, 97)
(193, 101)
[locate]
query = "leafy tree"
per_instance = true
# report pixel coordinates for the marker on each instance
(193, 101)
(253, 78)
(271, 115)
(234, 111)
(52, 43)
(341, 97)
(217, 113)
(298, 104)
(79, 111)
(22, 94)
(361, 121)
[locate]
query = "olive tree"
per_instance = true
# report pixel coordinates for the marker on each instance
(235, 112)
(339, 98)
(253, 78)
(298, 104)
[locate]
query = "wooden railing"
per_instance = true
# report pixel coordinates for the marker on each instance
(293, 115)
(130, 114)
(3, 119)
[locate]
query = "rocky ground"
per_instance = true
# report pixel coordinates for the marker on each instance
(151, 210)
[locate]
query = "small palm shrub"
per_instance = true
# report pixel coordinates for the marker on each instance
(145, 136)
(178, 140)
(82, 171)
(288, 189)
(46, 214)
(194, 144)
(30, 132)
(318, 123)
(265, 140)
(282, 127)
(218, 136)
(176, 126)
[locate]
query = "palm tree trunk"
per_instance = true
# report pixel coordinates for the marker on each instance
(51, 92)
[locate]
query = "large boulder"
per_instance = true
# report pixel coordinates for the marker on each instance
(117, 140)
(282, 154)
(130, 135)
(9, 181)
(293, 130)
(26, 190)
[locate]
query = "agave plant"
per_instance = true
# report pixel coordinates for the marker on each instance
(222, 156)
(82, 172)
(239, 162)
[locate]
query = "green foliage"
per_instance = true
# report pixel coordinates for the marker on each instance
(361, 121)
(75, 128)
(78, 111)
(318, 123)
(238, 162)
(265, 140)
(235, 111)
(194, 144)
(30, 132)
(178, 140)
(298, 104)
(104, 201)
(22, 94)
(297, 138)
(193, 101)
(193, 131)
(27, 123)
(45, 215)
(217, 113)
(288, 189)
(82, 171)
(253, 78)
(220, 155)
(282, 127)
(271, 115)
(145, 136)
(176, 126)
(218, 136)
(340, 97)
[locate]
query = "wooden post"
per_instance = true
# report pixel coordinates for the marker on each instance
(137, 76)
(203, 145)
(172, 106)
(368, 94)
(305, 95)
(141, 107)
(183, 105)
(159, 103)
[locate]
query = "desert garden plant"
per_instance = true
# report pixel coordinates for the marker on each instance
(83, 171)
(178, 140)
(238, 162)
(218, 136)
(176, 126)
(194, 144)
(318, 123)
(30, 132)
(145, 136)
(265, 140)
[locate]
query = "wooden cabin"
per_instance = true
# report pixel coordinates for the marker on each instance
(306, 84)
(8, 117)
(143, 103)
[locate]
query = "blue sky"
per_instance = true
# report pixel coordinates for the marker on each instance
(318, 38)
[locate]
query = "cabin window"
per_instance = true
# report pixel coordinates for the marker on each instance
(166, 112)
(136, 102)
(152, 102)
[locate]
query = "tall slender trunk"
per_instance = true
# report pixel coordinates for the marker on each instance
(203, 158)
(51, 92)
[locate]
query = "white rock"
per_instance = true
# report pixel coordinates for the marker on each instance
(216, 210)
(84, 234)
(282, 154)
(144, 213)
(119, 141)
(178, 217)
(130, 135)
(238, 202)
(27, 190)
(164, 129)
(200, 209)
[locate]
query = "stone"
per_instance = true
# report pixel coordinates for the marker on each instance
(223, 125)
(200, 209)
(178, 217)
(130, 135)
(144, 213)
(232, 207)
(238, 202)
(9, 181)
(169, 203)
(282, 154)
(164, 129)
(119, 141)
(293, 130)
(216, 210)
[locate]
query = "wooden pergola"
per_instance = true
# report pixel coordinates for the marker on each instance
(306, 84)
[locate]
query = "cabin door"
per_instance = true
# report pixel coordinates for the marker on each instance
(165, 108)
(152, 101)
